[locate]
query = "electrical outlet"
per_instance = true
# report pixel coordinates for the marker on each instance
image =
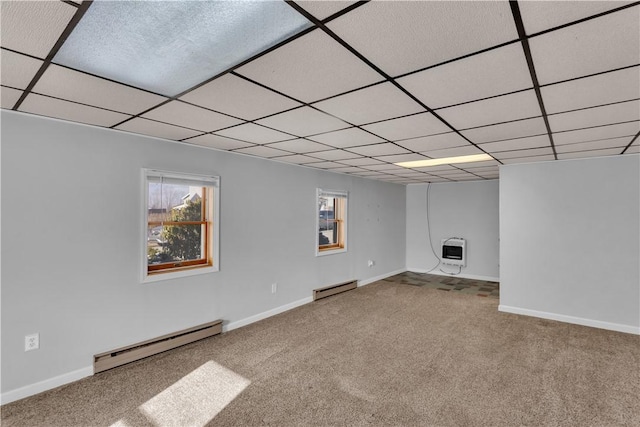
(274, 288)
(371, 263)
(31, 342)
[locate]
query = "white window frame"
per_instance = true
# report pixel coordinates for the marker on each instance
(332, 193)
(205, 181)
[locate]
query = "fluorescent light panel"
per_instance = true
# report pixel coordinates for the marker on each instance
(170, 46)
(445, 161)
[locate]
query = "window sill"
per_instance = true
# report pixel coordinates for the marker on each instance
(193, 271)
(330, 251)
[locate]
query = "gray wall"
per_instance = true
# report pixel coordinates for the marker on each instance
(457, 209)
(71, 222)
(570, 241)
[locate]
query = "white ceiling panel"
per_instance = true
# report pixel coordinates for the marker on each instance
(299, 146)
(391, 34)
(452, 152)
(80, 87)
(157, 129)
(397, 158)
(528, 159)
(251, 132)
(9, 97)
(475, 167)
(501, 109)
(379, 102)
(383, 149)
(325, 165)
(262, 151)
(298, 159)
(542, 15)
(408, 127)
(351, 137)
(323, 9)
(310, 68)
(362, 161)
(219, 142)
(601, 144)
(505, 131)
(17, 70)
(45, 106)
(492, 73)
(517, 144)
(347, 169)
(33, 27)
(593, 134)
(615, 113)
(593, 153)
(303, 122)
(334, 155)
(634, 149)
(435, 142)
(601, 44)
(235, 96)
(186, 115)
(389, 168)
(591, 91)
(546, 151)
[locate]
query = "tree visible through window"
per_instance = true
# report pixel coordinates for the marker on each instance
(332, 221)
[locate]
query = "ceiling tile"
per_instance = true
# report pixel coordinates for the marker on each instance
(346, 169)
(303, 122)
(528, 159)
(262, 151)
(351, 137)
(9, 97)
(51, 107)
(488, 74)
(436, 170)
(186, 115)
(542, 15)
(592, 153)
(384, 167)
(334, 155)
(310, 68)
(634, 149)
(595, 145)
(517, 144)
(453, 152)
(80, 87)
(593, 134)
(488, 165)
(601, 44)
(404, 36)
(235, 96)
(253, 133)
(383, 149)
(505, 131)
(435, 142)
(408, 127)
(33, 27)
(219, 142)
(396, 158)
(323, 9)
(546, 151)
(325, 165)
(372, 104)
(298, 159)
(615, 113)
(362, 161)
(299, 146)
(17, 70)
(591, 91)
(368, 173)
(495, 110)
(157, 129)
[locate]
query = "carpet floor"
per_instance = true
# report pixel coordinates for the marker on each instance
(383, 354)
(479, 288)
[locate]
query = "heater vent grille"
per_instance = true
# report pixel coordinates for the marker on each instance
(334, 289)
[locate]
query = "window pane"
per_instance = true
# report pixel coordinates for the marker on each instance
(171, 202)
(174, 243)
(329, 237)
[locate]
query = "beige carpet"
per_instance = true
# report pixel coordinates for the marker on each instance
(385, 354)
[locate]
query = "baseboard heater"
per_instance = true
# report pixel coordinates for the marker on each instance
(334, 289)
(131, 353)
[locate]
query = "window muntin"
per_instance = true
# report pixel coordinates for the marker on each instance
(332, 222)
(180, 224)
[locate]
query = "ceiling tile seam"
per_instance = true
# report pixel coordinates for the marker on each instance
(588, 18)
(598, 140)
(613, 70)
(484, 99)
(70, 3)
(594, 106)
(75, 19)
(500, 123)
(631, 143)
(8, 49)
(210, 109)
(370, 85)
(329, 147)
(11, 87)
(598, 126)
(594, 149)
(341, 12)
(519, 149)
(80, 103)
(517, 17)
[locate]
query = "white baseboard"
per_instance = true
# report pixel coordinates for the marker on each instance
(571, 319)
(381, 277)
(461, 275)
(39, 387)
(260, 316)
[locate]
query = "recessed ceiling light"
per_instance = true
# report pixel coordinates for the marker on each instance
(170, 46)
(445, 161)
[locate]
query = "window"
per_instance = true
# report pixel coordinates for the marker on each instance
(332, 222)
(181, 225)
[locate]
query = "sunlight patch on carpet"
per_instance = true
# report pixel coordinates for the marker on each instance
(196, 398)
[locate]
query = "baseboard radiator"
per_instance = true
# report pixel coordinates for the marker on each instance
(131, 353)
(334, 289)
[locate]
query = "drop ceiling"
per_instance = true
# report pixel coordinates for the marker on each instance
(348, 87)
